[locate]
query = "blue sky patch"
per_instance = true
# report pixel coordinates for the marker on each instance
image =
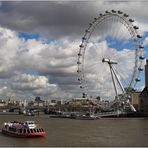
(35, 36)
(32, 72)
(119, 44)
(27, 36)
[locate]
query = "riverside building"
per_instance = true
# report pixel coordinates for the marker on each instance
(144, 94)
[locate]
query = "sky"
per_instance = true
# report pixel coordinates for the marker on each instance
(39, 43)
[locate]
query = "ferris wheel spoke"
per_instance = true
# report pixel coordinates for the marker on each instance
(115, 22)
(92, 64)
(119, 30)
(125, 34)
(126, 53)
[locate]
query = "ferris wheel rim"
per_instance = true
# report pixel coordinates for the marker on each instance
(128, 22)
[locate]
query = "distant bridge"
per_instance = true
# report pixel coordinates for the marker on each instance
(18, 108)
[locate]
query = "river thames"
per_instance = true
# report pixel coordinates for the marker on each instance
(71, 132)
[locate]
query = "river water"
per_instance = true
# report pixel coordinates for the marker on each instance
(76, 133)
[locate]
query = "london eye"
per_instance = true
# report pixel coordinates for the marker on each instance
(110, 56)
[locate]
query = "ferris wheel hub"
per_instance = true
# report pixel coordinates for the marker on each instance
(109, 61)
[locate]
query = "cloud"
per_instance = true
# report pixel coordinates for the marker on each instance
(29, 82)
(46, 65)
(36, 85)
(61, 19)
(9, 44)
(145, 43)
(19, 54)
(28, 65)
(26, 85)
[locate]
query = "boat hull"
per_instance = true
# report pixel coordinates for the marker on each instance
(14, 134)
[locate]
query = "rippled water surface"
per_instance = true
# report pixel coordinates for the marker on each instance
(70, 132)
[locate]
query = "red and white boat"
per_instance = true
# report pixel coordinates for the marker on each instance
(22, 129)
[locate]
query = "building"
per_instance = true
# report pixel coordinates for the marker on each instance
(2, 103)
(146, 73)
(80, 99)
(38, 102)
(144, 101)
(135, 100)
(144, 94)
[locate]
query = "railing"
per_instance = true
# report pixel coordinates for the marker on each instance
(115, 113)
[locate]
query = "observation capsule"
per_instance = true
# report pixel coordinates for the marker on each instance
(81, 46)
(120, 12)
(139, 36)
(84, 38)
(78, 71)
(79, 79)
(90, 24)
(95, 19)
(141, 46)
(141, 57)
(113, 11)
(87, 31)
(131, 20)
(137, 79)
(140, 69)
(84, 95)
(136, 27)
(78, 62)
(79, 54)
(125, 15)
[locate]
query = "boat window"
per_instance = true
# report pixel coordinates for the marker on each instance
(31, 130)
(20, 130)
(37, 130)
(34, 130)
(28, 131)
(24, 130)
(12, 129)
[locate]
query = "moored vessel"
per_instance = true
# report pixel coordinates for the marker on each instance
(86, 117)
(22, 129)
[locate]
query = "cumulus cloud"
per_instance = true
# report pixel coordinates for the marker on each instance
(36, 54)
(25, 85)
(36, 85)
(8, 45)
(35, 57)
(29, 82)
